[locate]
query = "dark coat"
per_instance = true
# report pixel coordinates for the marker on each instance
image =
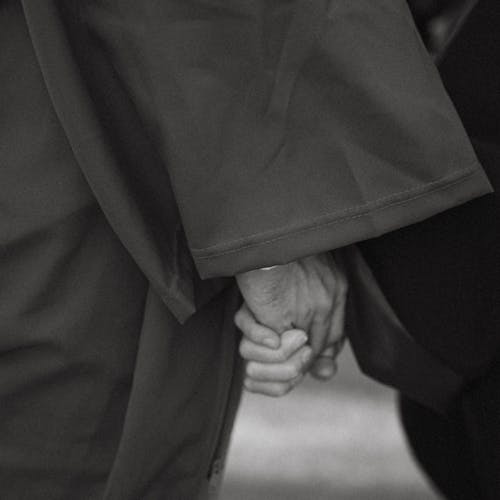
(221, 113)
(183, 140)
(103, 393)
(442, 277)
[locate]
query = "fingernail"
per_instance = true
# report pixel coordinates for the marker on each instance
(271, 343)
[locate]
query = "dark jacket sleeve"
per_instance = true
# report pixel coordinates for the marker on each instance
(291, 128)
(287, 127)
(264, 131)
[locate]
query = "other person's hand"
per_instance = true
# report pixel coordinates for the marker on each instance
(308, 295)
(277, 363)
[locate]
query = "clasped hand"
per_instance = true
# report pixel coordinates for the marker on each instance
(292, 322)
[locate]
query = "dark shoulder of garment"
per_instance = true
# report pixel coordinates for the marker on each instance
(263, 132)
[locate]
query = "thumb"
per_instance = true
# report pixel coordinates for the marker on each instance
(324, 366)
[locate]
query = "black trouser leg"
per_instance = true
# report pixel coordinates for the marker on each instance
(442, 449)
(442, 277)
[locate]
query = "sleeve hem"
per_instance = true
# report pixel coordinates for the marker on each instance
(357, 224)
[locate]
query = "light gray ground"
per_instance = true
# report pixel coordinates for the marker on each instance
(337, 441)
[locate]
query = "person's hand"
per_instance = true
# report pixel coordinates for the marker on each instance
(308, 295)
(276, 364)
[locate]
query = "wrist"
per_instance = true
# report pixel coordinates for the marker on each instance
(261, 284)
(264, 272)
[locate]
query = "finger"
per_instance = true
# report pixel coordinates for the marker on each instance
(281, 372)
(273, 389)
(328, 332)
(337, 325)
(338, 346)
(325, 366)
(319, 332)
(291, 341)
(254, 331)
(329, 352)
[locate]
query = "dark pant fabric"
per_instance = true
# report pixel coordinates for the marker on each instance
(103, 394)
(442, 277)
(444, 281)
(442, 448)
(459, 452)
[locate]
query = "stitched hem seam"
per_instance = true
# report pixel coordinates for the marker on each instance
(359, 211)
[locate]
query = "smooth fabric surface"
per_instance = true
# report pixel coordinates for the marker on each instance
(383, 347)
(124, 125)
(443, 279)
(103, 394)
(442, 276)
(285, 129)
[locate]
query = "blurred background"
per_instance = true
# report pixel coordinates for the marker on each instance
(339, 440)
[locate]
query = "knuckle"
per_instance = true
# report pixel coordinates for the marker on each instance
(238, 319)
(251, 369)
(249, 334)
(244, 349)
(255, 334)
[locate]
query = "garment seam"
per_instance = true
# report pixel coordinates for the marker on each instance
(371, 207)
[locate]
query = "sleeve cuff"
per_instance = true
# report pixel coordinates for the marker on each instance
(327, 233)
